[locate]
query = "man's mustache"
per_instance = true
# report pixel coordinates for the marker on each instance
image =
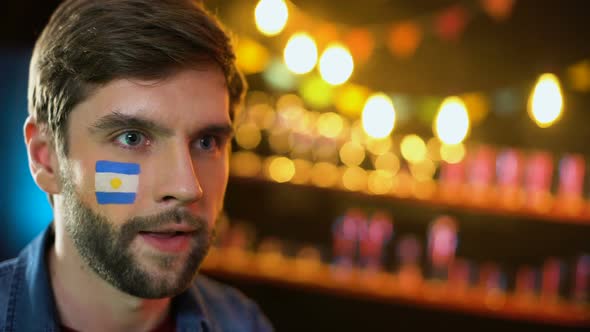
(167, 218)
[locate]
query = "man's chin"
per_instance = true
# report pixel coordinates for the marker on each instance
(158, 284)
(162, 274)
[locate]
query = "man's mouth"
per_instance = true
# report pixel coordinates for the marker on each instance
(163, 235)
(168, 241)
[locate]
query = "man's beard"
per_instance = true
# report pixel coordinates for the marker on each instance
(106, 249)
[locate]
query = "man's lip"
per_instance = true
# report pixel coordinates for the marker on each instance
(171, 229)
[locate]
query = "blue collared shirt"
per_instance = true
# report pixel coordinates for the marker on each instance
(27, 302)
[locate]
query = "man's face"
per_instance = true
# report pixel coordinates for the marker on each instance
(178, 131)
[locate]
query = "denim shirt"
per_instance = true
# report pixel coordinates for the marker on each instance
(27, 302)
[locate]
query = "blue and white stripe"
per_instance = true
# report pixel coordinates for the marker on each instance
(116, 182)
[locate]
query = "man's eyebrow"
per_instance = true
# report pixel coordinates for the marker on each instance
(117, 120)
(222, 130)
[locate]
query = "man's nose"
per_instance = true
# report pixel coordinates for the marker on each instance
(178, 180)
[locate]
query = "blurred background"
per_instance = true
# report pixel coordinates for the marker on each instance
(397, 164)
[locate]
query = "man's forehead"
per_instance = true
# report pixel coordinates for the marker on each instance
(118, 120)
(190, 96)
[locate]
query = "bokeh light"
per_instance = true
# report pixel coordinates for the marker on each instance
(302, 171)
(301, 53)
(380, 182)
(248, 135)
(433, 148)
(279, 141)
(378, 116)
(325, 149)
(300, 143)
(263, 115)
(352, 154)
(546, 101)
(251, 57)
(245, 164)
(379, 146)
(350, 98)
(316, 92)
(289, 100)
(354, 179)
(336, 64)
(357, 132)
(424, 189)
(387, 162)
(324, 174)
(361, 43)
(452, 154)
(281, 169)
(271, 16)
(404, 39)
(451, 125)
(423, 170)
(330, 124)
(278, 76)
(478, 107)
(413, 148)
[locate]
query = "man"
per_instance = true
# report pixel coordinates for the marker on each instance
(130, 120)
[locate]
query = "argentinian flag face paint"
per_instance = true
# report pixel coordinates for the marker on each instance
(116, 183)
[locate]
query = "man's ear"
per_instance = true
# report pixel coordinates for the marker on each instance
(43, 161)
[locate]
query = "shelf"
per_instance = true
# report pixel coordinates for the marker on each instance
(386, 287)
(438, 198)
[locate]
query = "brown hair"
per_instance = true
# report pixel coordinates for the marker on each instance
(88, 43)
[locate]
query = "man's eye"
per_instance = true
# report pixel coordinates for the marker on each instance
(208, 143)
(131, 138)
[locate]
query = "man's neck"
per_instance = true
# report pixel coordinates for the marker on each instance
(86, 302)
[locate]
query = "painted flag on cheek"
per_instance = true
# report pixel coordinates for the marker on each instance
(115, 182)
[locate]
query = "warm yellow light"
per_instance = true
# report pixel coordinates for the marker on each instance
(301, 53)
(413, 148)
(388, 162)
(316, 92)
(245, 164)
(424, 170)
(378, 116)
(325, 149)
(336, 64)
(324, 174)
(251, 57)
(352, 154)
(330, 124)
(357, 132)
(433, 147)
(354, 179)
(289, 100)
(380, 182)
(248, 135)
(452, 121)
(350, 98)
(271, 16)
(302, 171)
(424, 189)
(263, 115)
(546, 101)
(279, 141)
(379, 146)
(300, 145)
(281, 169)
(306, 124)
(452, 154)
